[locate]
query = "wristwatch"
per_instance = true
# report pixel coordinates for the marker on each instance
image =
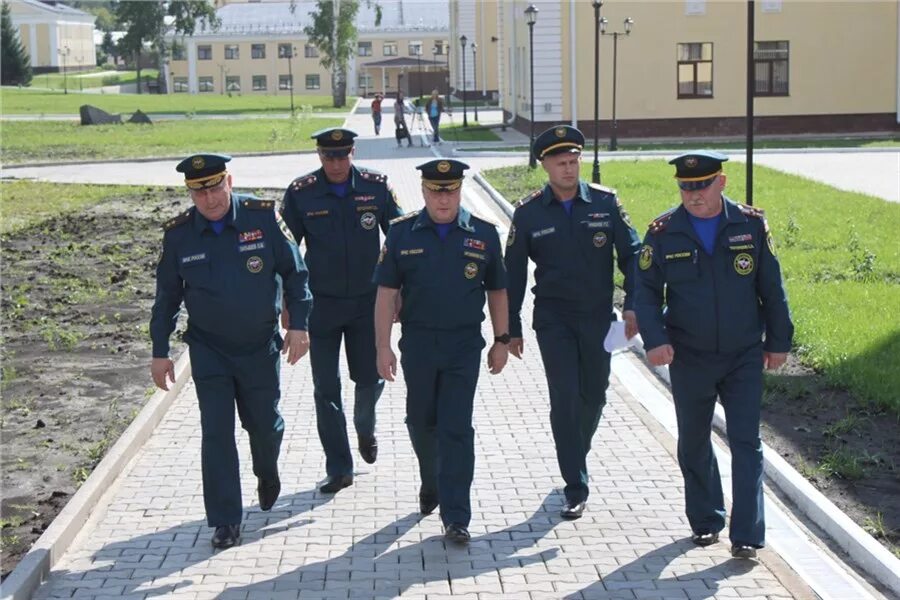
(502, 339)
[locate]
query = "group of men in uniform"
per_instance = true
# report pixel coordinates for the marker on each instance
(704, 289)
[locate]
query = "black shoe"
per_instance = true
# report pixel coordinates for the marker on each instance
(572, 510)
(745, 551)
(456, 533)
(368, 448)
(336, 483)
(226, 536)
(705, 539)
(428, 501)
(267, 491)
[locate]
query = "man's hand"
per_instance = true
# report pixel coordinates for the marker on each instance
(296, 345)
(774, 360)
(386, 362)
(162, 369)
(661, 355)
(398, 305)
(497, 357)
(517, 347)
(631, 324)
(285, 318)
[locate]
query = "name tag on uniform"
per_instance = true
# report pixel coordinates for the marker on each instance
(475, 255)
(741, 247)
(597, 224)
(679, 255)
(250, 236)
(249, 247)
(542, 232)
(412, 251)
(194, 258)
(366, 207)
(317, 213)
(364, 198)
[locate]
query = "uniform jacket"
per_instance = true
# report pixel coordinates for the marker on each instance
(342, 239)
(719, 303)
(573, 253)
(232, 283)
(442, 283)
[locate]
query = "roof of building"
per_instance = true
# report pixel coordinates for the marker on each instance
(276, 17)
(404, 61)
(51, 6)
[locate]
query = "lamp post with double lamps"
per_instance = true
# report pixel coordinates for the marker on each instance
(595, 173)
(475, 72)
(289, 54)
(462, 41)
(531, 14)
(628, 23)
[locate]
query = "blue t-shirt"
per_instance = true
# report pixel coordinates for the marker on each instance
(339, 189)
(567, 205)
(443, 229)
(433, 109)
(706, 229)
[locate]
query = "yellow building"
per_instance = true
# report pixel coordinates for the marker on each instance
(260, 48)
(820, 66)
(55, 36)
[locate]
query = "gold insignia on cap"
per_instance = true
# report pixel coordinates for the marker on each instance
(337, 135)
(690, 162)
(443, 167)
(560, 132)
(198, 163)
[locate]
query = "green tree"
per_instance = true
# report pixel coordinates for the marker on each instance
(16, 64)
(145, 24)
(333, 32)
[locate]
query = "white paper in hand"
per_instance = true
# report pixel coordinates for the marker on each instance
(615, 338)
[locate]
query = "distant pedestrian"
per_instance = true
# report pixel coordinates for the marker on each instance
(376, 112)
(711, 262)
(229, 258)
(434, 107)
(401, 131)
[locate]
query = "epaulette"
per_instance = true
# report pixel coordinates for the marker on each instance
(373, 176)
(530, 197)
(602, 188)
(752, 211)
(405, 217)
(660, 223)
(176, 221)
(254, 204)
(302, 182)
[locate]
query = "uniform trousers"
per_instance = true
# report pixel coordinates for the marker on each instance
(252, 382)
(577, 369)
(351, 320)
(441, 371)
(736, 378)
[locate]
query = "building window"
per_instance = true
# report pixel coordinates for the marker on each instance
(233, 83)
(232, 52)
(206, 84)
(259, 83)
(440, 47)
(365, 81)
(364, 48)
(770, 65)
(285, 51)
(389, 49)
(695, 70)
(204, 52)
(284, 82)
(312, 82)
(257, 51)
(415, 48)
(178, 52)
(180, 85)
(310, 51)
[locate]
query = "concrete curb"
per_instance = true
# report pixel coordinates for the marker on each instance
(862, 548)
(36, 565)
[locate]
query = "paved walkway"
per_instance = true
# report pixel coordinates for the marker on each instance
(149, 539)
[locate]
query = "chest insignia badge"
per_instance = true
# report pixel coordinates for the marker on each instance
(471, 270)
(368, 220)
(743, 263)
(599, 239)
(254, 264)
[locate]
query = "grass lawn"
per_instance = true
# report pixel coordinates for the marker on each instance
(20, 206)
(44, 141)
(838, 251)
(473, 133)
(36, 102)
(675, 145)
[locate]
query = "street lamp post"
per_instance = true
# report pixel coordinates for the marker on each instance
(530, 17)
(462, 40)
(627, 24)
(475, 72)
(63, 53)
(289, 55)
(595, 173)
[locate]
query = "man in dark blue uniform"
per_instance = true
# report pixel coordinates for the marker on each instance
(442, 260)
(231, 259)
(339, 210)
(712, 263)
(569, 229)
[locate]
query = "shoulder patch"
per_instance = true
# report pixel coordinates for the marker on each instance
(373, 176)
(602, 188)
(303, 181)
(406, 217)
(258, 204)
(752, 211)
(176, 221)
(660, 223)
(529, 198)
